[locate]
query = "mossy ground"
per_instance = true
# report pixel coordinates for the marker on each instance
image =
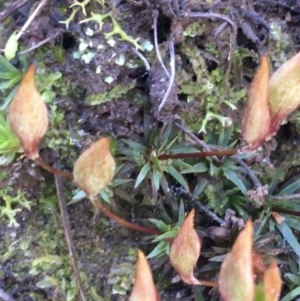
(94, 84)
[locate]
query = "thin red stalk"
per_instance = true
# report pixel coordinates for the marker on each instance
(39, 161)
(208, 283)
(286, 211)
(223, 152)
(123, 222)
(108, 213)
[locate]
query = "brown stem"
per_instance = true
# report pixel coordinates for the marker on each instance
(286, 211)
(39, 161)
(67, 231)
(208, 283)
(108, 213)
(123, 222)
(223, 152)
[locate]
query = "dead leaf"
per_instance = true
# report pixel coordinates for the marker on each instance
(236, 278)
(185, 250)
(278, 217)
(257, 117)
(144, 288)
(95, 168)
(259, 267)
(272, 282)
(28, 116)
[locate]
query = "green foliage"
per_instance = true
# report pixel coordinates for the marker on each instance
(228, 186)
(9, 143)
(11, 46)
(59, 54)
(9, 78)
(293, 281)
(48, 83)
(154, 170)
(169, 232)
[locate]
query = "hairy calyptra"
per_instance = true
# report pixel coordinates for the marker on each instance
(28, 116)
(284, 92)
(257, 117)
(236, 278)
(272, 282)
(185, 250)
(144, 288)
(270, 101)
(95, 168)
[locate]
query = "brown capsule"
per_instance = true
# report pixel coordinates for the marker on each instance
(257, 117)
(28, 116)
(94, 169)
(185, 250)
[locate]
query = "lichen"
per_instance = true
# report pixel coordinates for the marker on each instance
(99, 18)
(12, 205)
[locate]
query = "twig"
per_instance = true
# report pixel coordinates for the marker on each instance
(208, 212)
(192, 136)
(39, 161)
(146, 63)
(208, 283)
(286, 197)
(195, 138)
(6, 296)
(30, 19)
(172, 77)
(12, 8)
(224, 152)
(121, 221)
(67, 231)
(155, 14)
(286, 211)
(250, 173)
(41, 43)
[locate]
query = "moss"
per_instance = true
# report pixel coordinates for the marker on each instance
(42, 252)
(210, 89)
(280, 45)
(115, 93)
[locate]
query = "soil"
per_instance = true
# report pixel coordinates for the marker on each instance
(116, 101)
